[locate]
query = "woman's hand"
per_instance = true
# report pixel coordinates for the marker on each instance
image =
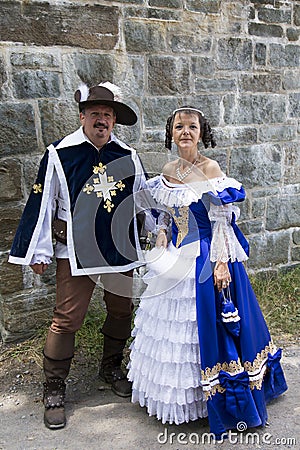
(222, 276)
(161, 240)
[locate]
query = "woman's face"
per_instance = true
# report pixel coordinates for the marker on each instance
(186, 130)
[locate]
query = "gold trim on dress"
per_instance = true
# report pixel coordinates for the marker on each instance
(256, 370)
(180, 216)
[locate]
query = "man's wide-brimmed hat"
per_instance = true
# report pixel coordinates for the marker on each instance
(106, 94)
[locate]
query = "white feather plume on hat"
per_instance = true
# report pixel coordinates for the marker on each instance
(84, 92)
(114, 89)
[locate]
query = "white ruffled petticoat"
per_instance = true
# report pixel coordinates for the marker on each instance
(165, 358)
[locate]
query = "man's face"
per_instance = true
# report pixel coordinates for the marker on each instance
(98, 122)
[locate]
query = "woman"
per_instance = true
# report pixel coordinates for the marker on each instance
(201, 344)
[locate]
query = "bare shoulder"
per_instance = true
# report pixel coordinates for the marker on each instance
(169, 169)
(211, 168)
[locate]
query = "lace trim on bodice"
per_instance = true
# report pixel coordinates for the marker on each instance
(224, 245)
(171, 194)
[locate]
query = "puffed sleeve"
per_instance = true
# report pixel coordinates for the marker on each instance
(228, 242)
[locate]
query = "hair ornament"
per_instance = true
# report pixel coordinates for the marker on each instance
(187, 109)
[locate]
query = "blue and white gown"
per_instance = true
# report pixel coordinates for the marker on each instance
(189, 358)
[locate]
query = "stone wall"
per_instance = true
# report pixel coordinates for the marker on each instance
(236, 60)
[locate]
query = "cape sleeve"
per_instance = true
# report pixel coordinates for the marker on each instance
(28, 239)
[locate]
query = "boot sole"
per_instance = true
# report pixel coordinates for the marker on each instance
(114, 390)
(120, 394)
(54, 426)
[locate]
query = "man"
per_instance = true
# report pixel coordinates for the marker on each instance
(85, 187)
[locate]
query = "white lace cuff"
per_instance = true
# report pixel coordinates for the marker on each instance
(38, 259)
(225, 245)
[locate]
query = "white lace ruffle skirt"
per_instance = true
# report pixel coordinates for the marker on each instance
(165, 358)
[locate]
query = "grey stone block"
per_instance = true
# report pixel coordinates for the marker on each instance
(268, 250)
(9, 220)
(284, 55)
(205, 6)
(292, 34)
(283, 212)
(58, 118)
(167, 3)
(36, 84)
(168, 75)
(258, 165)
(296, 237)
(260, 54)
(181, 42)
(294, 105)
(34, 60)
(214, 85)
(144, 37)
(270, 15)
(10, 180)
(157, 110)
(234, 54)
(93, 69)
(297, 15)
(261, 83)
(235, 136)
(255, 109)
(261, 29)
(278, 133)
(18, 130)
(15, 311)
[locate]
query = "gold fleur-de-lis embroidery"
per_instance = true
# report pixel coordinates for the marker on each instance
(120, 185)
(37, 188)
(100, 168)
(108, 205)
(113, 193)
(88, 188)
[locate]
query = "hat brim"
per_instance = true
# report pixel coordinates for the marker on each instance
(124, 114)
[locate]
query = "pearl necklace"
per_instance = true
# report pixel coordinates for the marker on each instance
(183, 175)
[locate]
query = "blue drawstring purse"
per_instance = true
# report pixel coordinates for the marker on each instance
(229, 313)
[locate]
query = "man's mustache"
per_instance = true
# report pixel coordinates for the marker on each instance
(100, 124)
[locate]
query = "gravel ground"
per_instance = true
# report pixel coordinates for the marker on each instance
(98, 419)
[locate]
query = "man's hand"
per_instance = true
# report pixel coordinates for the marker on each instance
(39, 268)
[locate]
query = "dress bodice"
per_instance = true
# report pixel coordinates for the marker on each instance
(189, 223)
(190, 205)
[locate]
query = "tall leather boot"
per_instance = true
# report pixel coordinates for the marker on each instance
(58, 354)
(110, 369)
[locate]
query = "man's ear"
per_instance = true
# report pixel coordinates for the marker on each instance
(81, 118)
